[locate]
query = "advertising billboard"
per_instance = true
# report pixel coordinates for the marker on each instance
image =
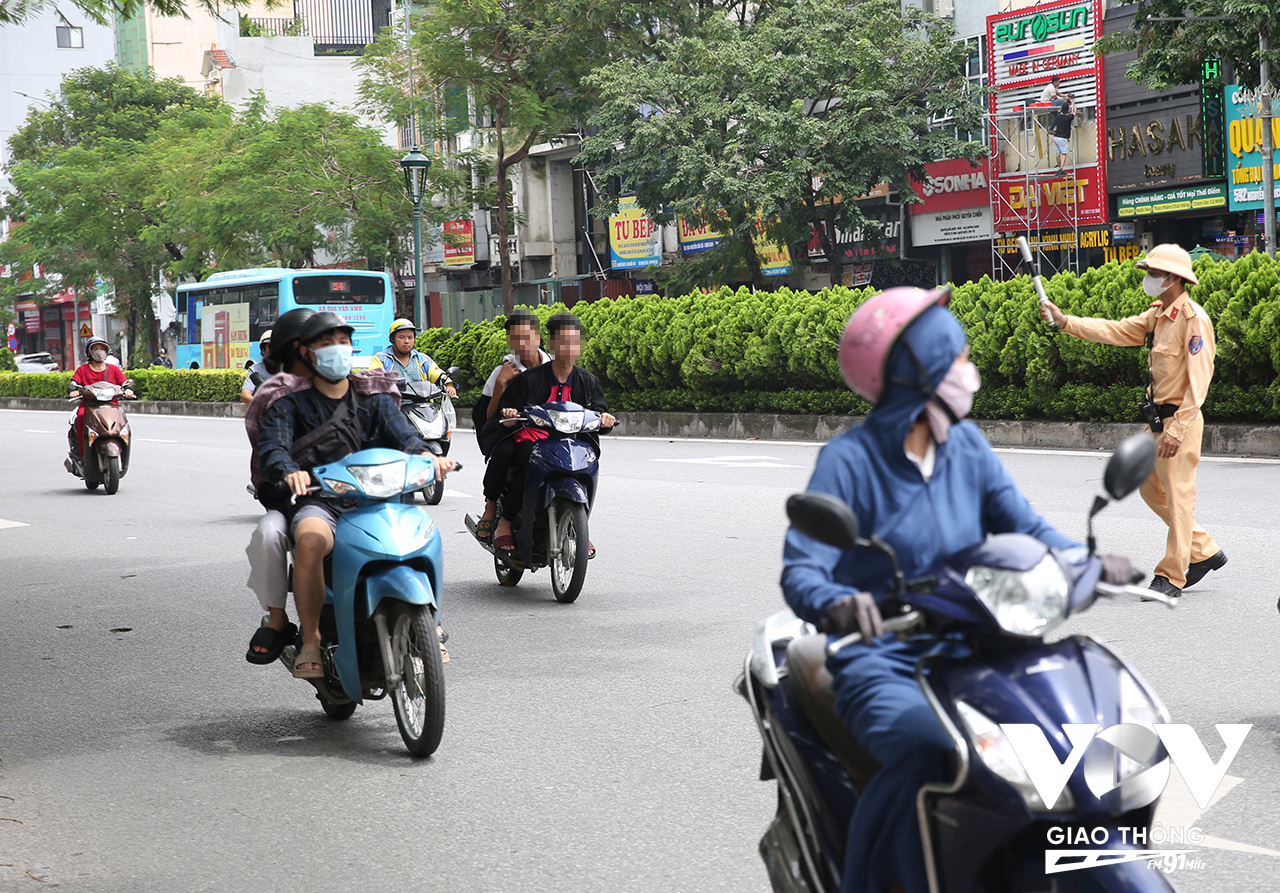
(224, 336)
(1244, 150)
(1025, 48)
(635, 241)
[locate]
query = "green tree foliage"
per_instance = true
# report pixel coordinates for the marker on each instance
(780, 116)
(15, 12)
(82, 189)
(7, 361)
(1172, 53)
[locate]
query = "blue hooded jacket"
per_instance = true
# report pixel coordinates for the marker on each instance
(968, 496)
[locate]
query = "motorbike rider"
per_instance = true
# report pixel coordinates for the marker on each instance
(524, 338)
(411, 363)
(928, 483)
(259, 371)
(556, 381)
(316, 425)
(96, 369)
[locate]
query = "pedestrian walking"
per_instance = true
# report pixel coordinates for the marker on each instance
(1180, 338)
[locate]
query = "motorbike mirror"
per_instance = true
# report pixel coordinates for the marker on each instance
(824, 518)
(452, 371)
(1130, 465)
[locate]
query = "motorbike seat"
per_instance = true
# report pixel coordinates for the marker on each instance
(811, 684)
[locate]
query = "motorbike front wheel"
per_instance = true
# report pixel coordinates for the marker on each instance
(569, 564)
(419, 696)
(433, 493)
(112, 482)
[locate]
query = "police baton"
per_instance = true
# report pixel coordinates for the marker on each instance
(1035, 269)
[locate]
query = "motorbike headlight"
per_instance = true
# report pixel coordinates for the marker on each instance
(993, 748)
(566, 422)
(433, 429)
(1025, 603)
(342, 488)
(379, 481)
(103, 395)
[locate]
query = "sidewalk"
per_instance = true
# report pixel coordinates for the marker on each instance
(1220, 440)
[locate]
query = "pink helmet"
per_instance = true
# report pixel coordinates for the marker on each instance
(872, 330)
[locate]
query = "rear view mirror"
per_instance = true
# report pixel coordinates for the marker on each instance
(1130, 465)
(453, 371)
(824, 518)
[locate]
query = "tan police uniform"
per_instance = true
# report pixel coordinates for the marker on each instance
(1181, 361)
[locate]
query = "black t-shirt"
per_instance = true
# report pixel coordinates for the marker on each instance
(1063, 121)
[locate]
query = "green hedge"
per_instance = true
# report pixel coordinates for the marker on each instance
(7, 361)
(776, 351)
(152, 383)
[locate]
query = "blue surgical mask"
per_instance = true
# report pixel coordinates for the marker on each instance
(333, 362)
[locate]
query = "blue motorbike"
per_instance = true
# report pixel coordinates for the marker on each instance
(382, 596)
(560, 487)
(987, 610)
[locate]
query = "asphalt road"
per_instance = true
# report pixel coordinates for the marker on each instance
(588, 747)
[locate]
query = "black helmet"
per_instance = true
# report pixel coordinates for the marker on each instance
(327, 321)
(287, 330)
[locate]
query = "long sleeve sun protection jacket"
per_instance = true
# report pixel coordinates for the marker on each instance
(968, 496)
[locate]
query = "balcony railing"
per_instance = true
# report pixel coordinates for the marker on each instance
(337, 27)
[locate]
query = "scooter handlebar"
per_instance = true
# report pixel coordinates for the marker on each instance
(892, 625)
(1110, 590)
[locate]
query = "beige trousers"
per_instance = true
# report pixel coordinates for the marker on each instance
(1171, 494)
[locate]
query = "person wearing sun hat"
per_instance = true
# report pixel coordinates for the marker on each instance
(1180, 336)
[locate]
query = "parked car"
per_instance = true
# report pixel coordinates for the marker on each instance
(36, 362)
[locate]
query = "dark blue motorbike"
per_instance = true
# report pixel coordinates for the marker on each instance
(987, 610)
(560, 487)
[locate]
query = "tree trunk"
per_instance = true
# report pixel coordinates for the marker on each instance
(750, 257)
(835, 258)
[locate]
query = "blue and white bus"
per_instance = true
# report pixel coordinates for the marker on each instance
(221, 319)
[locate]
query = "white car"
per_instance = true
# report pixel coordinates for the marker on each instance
(36, 362)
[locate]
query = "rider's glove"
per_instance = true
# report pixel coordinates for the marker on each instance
(1116, 570)
(857, 612)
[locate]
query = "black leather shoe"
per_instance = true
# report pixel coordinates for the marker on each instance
(1198, 569)
(1164, 587)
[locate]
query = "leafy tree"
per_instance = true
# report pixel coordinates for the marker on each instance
(519, 63)
(15, 12)
(785, 116)
(82, 190)
(1173, 52)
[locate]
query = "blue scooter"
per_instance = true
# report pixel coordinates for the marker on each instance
(988, 609)
(382, 596)
(560, 487)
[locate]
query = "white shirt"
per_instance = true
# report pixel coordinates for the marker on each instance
(1049, 93)
(492, 381)
(925, 463)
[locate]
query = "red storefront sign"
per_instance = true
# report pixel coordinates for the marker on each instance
(951, 186)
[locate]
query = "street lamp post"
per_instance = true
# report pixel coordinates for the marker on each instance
(415, 166)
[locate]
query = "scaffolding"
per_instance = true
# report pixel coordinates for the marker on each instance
(1047, 210)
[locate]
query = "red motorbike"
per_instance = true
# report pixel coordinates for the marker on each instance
(105, 457)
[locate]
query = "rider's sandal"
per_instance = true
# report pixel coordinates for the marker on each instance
(591, 550)
(308, 656)
(506, 543)
(484, 529)
(272, 640)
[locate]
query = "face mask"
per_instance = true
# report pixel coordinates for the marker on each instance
(1152, 286)
(97, 355)
(956, 390)
(333, 362)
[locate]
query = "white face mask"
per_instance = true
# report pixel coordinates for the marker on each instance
(956, 389)
(1152, 286)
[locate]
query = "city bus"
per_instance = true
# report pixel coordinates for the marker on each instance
(221, 319)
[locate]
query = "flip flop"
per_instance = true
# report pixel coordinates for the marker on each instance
(484, 529)
(308, 656)
(272, 640)
(506, 543)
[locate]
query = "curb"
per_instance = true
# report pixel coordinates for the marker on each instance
(1219, 440)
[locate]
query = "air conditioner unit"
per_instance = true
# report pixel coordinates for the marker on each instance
(1146, 241)
(944, 9)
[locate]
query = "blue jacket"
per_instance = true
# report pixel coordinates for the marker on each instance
(968, 496)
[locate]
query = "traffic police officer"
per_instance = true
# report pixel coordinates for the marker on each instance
(1181, 361)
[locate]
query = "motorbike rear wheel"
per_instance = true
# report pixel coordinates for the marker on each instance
(91, 485)
(419, 697)
(569, 564)
(112, 481)
(508, 576)
(338, 711)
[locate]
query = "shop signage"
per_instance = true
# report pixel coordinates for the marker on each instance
(1123, 232)
(1244, 143)
(950, 227)
(855, 245)
(1092, 239)
(460, 244)
(1173, 201)
(696, 239)
(1153, 148)
(1023, 51)
(949, 185)
(635, 241)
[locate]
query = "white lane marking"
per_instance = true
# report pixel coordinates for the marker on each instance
(458, 493)
(1178, 809)
(36, 431)
(153, 440)
(733, 461)
(4, 524)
